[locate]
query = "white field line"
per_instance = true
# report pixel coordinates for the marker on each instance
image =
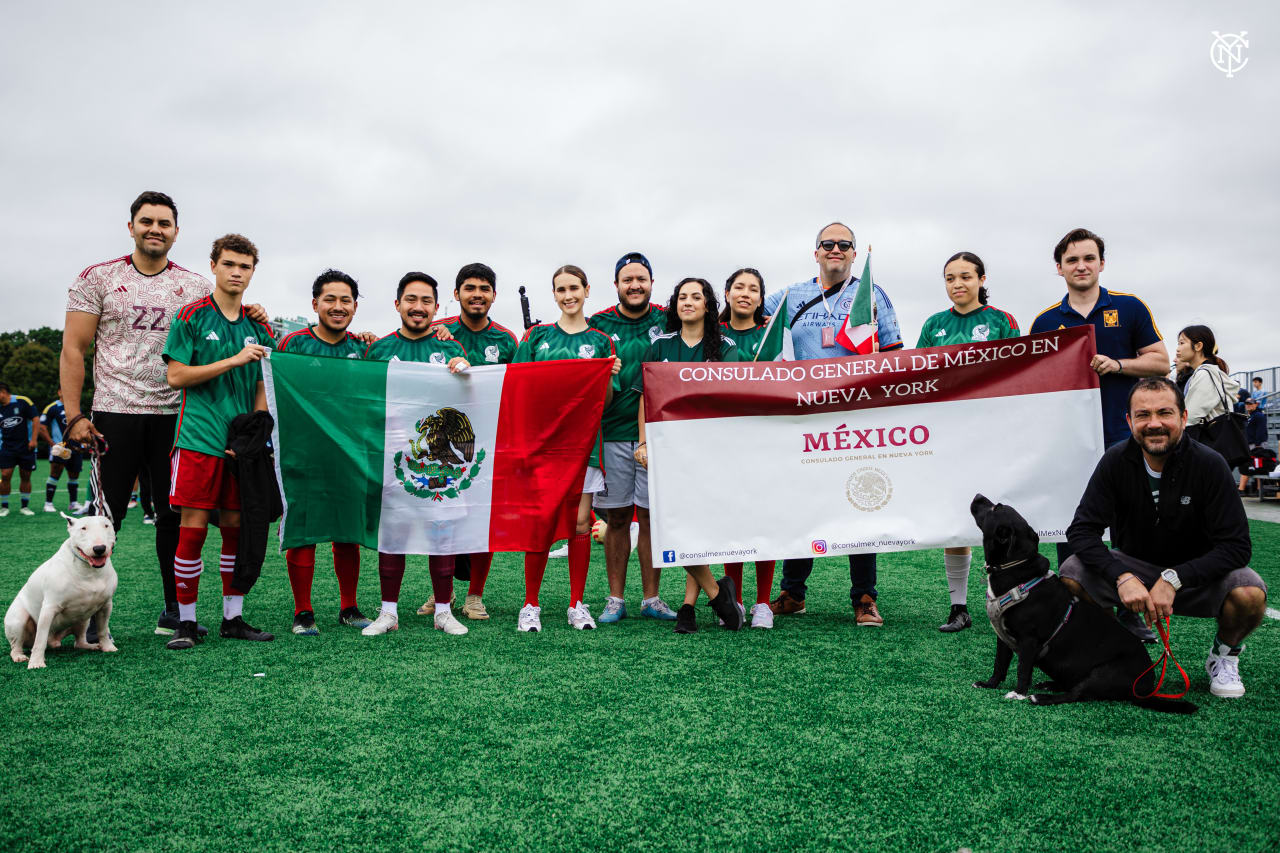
(1273, 613)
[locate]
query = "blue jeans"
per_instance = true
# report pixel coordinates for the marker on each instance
(862, 576)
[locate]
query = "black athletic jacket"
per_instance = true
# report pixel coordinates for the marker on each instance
(1199, 530)
(260, 502)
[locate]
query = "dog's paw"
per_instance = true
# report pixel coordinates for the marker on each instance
(19, 658)
(35, 664)
(89, 647)
(1013, 694)
(985, 685)
(1033, 699)
(109, 647)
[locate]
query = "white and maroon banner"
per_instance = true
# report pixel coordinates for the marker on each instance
(882, 452)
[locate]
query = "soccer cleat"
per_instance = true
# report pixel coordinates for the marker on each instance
(304, 624)
(473, 608)
(530, 619)
(1133, 623)
(238, 629)
(148, 519)
(615, 610)
(762, 616)
(866, 612)
(133, 503)
(786, 604)
(430, 606)
(957, 620)
(80, 509)
(49, 507)
(384, 623)
(185, 637)
(449, 623)
(686, 620)
(580, 617)
(26, 510)
(352, 617)
(169, 622)
(658, 610)
(1224, 673)
(726, 606)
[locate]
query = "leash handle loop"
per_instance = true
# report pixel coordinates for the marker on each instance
(1162, 627)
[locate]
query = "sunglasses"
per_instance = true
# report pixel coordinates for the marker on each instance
(844, 245)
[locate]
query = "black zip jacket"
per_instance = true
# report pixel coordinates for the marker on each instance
(1199, 530)
(260, 503)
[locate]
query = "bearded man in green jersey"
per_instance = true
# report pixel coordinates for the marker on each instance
(632, 325)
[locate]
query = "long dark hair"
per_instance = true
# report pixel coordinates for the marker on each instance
(726, 315)
(1203, 335)
(710, 321)
(977, 262)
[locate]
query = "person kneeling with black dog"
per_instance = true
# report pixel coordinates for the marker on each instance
(1180, 535)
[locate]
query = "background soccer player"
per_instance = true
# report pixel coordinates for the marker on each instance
(414, 341)
(334, 298)
(17, 447)
(475, 288)
(569, 337)
(742, 320)
(693, 334)
(968, 319)
(632, 325)
(60, 456)
(214, 353)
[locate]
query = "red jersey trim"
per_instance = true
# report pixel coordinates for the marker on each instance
(93, 267)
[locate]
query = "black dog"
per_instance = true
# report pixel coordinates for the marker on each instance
(1087, 653)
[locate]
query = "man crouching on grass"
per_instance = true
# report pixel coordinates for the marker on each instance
(214, 352)
(1180, 535)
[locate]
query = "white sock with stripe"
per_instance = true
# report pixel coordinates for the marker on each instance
(957, 568)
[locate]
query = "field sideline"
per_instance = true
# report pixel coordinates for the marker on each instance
(815, 735)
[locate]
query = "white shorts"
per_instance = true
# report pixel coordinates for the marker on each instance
(593, 482)
(626, 482)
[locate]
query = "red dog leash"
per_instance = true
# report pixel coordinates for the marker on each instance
(1163, 662)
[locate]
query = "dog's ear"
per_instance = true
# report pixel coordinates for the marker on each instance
(980, 508)
(71, 519)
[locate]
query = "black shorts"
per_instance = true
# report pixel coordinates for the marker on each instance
(22, 458)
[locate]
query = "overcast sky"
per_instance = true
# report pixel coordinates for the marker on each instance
(379, 138)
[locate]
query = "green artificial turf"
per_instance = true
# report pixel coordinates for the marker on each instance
(814, 735)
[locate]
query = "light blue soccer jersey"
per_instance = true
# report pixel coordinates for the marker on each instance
(806, 332)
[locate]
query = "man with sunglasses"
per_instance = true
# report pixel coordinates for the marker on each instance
(815, 310)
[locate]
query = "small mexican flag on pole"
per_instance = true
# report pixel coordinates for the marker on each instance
(776, 345)
(859, 332)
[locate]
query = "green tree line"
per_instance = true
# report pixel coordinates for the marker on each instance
(29, 365)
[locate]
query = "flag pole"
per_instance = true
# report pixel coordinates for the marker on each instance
(875, 318)
(782, 306)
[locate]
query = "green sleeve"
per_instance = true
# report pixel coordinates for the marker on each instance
(180, 345)
(923, 340)
(524, 352)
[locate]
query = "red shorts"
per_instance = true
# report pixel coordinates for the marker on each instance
(201, 481)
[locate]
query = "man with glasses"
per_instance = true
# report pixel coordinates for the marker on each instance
(815, 310)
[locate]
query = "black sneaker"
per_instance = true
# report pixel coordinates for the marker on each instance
(1133, 623)
(958, 620)
(238, 629)
(184, 637)
(686, 620)
(726, 605)
(169, 620)
(304, 624)
(353, 617)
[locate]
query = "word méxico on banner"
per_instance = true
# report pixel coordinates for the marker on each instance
(1033, 364)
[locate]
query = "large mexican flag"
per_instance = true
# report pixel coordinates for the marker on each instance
(409, 458)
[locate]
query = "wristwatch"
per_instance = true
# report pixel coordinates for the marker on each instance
(1171, 578)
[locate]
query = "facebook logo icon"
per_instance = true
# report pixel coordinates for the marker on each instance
(668, 556)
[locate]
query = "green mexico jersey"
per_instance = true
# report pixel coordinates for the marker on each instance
(200, 334)
(748, 341)
(307, 342)
(631, 339)
(671, 347)
(984, 324)
(428, 348)
(549, 342)
(494, 344)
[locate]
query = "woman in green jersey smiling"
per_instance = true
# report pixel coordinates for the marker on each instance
(968, 319)
(693, 334)
(569, 337)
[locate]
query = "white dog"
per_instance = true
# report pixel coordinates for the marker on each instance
(60, 597)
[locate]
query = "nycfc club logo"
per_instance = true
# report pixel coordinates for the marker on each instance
(868, 489)
(491, 353)
(1226, 52)
(442, 461)
(819, 546)
(586, 351)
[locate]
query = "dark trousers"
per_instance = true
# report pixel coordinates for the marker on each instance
(139, 445)
(862, 576)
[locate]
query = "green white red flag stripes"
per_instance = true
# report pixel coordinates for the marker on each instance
(409, 458)
(776, 345)
(882, 452)
(860, 331)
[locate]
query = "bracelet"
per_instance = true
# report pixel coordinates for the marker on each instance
(1126, 580)
(77, 419)
(641, 444)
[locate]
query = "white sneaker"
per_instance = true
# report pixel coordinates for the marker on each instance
(530, 619)
(384, 623)
(449, 623)
(580, 617)
(1224, 673)
(761, 616)
(4, 510)
(26, 510)
(742, 611)
(559, 553)
(79, 509)
(49, 507)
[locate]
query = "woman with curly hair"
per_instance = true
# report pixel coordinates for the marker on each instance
(693, 334)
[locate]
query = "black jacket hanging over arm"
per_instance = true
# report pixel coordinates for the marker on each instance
(260, 502)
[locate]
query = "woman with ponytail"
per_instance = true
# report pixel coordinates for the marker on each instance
(1209, 390)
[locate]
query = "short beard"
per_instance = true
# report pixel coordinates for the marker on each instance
(152, 253)
(472, 315)
(1168, 448)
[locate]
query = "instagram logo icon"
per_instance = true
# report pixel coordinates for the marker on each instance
(819, 546)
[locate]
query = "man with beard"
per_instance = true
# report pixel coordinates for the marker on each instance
(475, 288)
(334, 297)
(1178, 529)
